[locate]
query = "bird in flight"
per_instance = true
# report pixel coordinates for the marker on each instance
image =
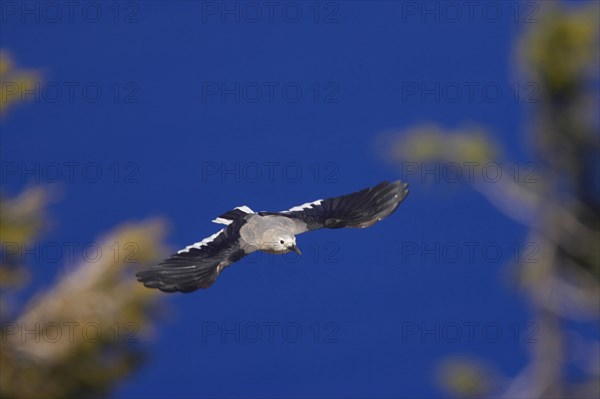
(198, 265)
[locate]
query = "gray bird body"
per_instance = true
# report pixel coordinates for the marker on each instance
(198, 265)
(264, 233)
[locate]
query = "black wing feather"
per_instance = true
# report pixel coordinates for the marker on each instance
(359, 209)
(234, 214)
(197, 267)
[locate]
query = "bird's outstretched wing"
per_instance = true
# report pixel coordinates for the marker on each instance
(360, 209)
(198, 265)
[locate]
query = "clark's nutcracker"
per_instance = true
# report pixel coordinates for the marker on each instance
(199, 264)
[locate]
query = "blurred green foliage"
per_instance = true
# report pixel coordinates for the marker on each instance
(13, 82)
(79, 337)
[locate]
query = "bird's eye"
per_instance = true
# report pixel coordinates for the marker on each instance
(281, 241)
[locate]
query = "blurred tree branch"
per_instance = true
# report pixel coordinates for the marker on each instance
(77, 339)
(561, 210)
(21, 220)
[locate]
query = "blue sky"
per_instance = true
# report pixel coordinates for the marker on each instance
(187, 91)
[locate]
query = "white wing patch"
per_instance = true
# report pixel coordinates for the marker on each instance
(245, 209)
(225, 221)
(222, 221)
(304, 206)
(201, 243)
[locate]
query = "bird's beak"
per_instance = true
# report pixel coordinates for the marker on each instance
(294, 248)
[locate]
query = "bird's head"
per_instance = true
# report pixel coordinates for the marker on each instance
(283, 243)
